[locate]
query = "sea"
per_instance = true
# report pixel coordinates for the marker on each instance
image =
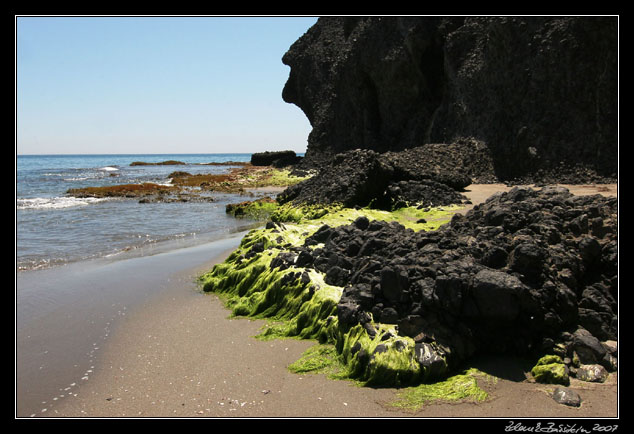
(54, 228)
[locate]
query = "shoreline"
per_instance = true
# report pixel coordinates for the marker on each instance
(65, 315)
(178, 355)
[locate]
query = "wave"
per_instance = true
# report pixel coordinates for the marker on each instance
(109, 169)
(55, 202)
(79, 178)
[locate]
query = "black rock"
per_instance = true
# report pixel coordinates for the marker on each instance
(361, 178)
(434, 364)
(336, 276)
(389, 315)
(277, 158)
(497, 295)
(362, 222)
(527, 259)
(566, 396)
(461, 278)
(588, 348)
(589, 249)
(391, 83)
(304, 258)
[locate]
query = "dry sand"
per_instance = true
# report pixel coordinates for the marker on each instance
(182, 356)
(478, 193)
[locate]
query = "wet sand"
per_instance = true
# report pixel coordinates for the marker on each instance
(178, 354)
(183, 357)
(65, 315)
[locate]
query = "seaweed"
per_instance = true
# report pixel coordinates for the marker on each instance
(298, 303)
(460, 387)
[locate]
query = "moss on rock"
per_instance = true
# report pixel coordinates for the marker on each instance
(301, 304)
(379, 357)
(282, 178)
(416, 218)
(301, 214)
(550, 369)
(251, 287)
(260, 209)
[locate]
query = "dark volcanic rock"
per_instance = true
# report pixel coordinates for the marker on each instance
(366, 82)
(386, 181)
(539, 93)
(353, 178)
(277, 159)
(511, 276)
(456, 165)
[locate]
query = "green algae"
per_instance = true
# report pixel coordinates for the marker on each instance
(551, 369)
(264, 176)
(427, 219)
(549, 359)
(303, 213)
(283, 178)
(457, 388)
(297, 297)
(379, 358)
(259, 209)
(465, 386)
(298, 303)
(321, 359)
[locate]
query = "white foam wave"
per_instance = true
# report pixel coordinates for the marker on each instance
(109, 169)
(55, 202)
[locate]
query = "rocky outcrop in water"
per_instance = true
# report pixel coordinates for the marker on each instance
(540, 93)
(275, 158)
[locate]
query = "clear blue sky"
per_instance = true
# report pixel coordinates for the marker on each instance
(155, 85)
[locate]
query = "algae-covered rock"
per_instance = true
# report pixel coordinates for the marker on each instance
(551, 369)
(123, 190)
(555, 373)
(380, 357)
(260, 209)
(549, 359)
(478, 284)
(329, 271)
(273, 275)
(253, 287)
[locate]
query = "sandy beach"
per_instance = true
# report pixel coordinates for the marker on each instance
(173, 352)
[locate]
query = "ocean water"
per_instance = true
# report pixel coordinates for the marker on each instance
(53, 228)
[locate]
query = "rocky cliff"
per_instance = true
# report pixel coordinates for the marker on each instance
(540, 93)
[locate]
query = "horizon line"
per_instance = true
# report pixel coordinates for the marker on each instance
(146, 153)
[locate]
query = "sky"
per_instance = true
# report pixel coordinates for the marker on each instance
(110, 85)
